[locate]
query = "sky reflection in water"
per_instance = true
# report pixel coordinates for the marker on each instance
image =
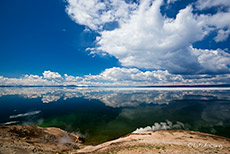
(102, 114)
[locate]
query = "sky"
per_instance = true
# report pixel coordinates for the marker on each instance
(114, 42)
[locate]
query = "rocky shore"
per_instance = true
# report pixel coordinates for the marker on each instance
(33, 139)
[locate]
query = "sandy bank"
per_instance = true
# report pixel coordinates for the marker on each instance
(33, 139)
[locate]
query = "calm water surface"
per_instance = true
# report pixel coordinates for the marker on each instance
(102, 114)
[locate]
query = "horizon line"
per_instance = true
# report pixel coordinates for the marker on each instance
(152, 86)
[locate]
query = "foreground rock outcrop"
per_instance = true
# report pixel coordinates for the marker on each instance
(33, 139)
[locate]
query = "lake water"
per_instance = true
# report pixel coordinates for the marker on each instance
(102, 114)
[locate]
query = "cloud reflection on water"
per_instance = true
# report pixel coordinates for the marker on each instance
(116, 97)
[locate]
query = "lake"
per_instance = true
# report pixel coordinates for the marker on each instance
(102, 114)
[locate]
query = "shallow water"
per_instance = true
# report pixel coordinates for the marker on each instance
(102, 114)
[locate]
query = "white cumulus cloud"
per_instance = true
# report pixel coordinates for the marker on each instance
(213, 60)
(144, 38)
(204, 4)
(222, 35)
(51, 75)
(95, 13)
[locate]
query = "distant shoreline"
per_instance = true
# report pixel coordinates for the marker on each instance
(157, 86)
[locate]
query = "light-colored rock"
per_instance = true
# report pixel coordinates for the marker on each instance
(163, 141)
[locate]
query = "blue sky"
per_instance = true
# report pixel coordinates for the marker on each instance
(39, 35)
(148, 42)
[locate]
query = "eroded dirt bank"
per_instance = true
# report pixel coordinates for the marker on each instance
(33, 139)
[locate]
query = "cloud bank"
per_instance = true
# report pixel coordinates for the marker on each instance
(117, 76)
